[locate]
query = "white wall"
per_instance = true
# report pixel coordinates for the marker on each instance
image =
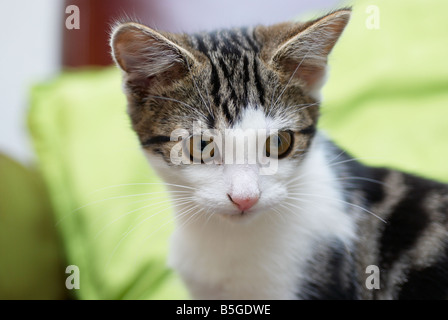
(29, 42)
(199, 15)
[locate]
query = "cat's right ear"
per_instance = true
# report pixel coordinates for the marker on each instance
(300, 50)
(144, 54)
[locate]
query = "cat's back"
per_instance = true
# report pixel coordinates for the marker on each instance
(403, 231)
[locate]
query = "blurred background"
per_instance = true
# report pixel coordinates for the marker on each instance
(68, 158)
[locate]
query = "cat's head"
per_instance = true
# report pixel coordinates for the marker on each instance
(190, 95)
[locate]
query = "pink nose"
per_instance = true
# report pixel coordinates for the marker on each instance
(244, 204)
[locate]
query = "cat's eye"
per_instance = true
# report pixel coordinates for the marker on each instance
(279, 144)
(200, 149)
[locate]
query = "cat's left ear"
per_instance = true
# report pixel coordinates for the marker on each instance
(145, 54)
(304, 48)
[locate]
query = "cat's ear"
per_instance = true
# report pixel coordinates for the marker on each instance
(143, 53)
(303, 53)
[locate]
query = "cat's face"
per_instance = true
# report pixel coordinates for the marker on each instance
(227, 116)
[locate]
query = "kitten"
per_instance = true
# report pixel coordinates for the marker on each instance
(313, 225)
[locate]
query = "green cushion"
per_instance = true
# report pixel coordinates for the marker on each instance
(387, 96)
(386, 102)
(98, 181)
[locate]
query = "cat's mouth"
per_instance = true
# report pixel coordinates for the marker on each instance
(239, 215)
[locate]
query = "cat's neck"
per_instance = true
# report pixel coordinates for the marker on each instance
(281, 240)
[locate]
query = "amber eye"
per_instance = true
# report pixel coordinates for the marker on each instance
(279, 144)
(199, 149)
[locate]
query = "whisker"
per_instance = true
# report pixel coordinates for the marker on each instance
(284, 205)
(292, 76)
(93, 203)
(168, 221)
(208, 96)
(169, 202)
(125, 196)
(272, 102)
(171, 99)
(172, 197)
(278, 213)
(125, 236)
(188, 199)
(305, 174)
(143, 184)
(196, 214)
(333, 179)
(107, 199)
(303, 106)
(178, 215)
(209, 216)
(361, 179)
(197, 88)
(351, 160)
(335, 158)
(335, 199)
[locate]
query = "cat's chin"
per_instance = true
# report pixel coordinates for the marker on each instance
(240, 217)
